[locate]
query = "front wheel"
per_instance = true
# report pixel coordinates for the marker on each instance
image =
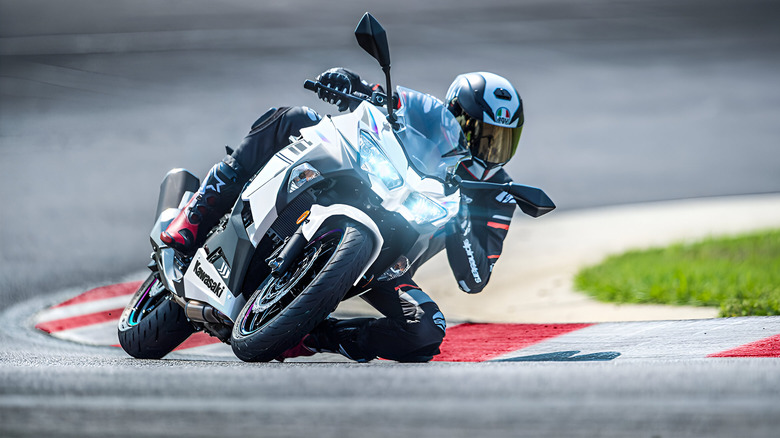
(283, 310)
(152, 325)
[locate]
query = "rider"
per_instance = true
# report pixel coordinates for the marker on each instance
(490, 112)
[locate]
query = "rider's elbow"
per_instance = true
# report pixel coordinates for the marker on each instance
(471, 285)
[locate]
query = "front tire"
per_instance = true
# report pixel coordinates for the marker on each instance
(152, 325)
(283, 310)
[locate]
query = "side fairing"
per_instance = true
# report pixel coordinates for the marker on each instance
(321, 146)
(371, 120)
(333, 148)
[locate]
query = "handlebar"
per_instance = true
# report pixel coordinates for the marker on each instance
(376, 97)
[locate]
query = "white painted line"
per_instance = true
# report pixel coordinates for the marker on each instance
(79, 309)
(104, 333)
(658, 339)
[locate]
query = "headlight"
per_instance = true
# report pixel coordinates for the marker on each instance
(373, 161)
(423, 209)
(299, 176)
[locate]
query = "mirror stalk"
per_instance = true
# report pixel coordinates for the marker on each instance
(371, 36)
(390, 101)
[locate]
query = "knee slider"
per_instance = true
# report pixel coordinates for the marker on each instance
(426, 335)
(422, 341)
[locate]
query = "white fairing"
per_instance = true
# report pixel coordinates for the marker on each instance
(203, 282)
(368, 118)
(331, 146)
(319, 214)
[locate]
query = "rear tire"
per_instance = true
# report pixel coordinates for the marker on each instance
(295, 303)
(152, 325)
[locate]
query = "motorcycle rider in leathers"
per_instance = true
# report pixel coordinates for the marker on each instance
(490, 111)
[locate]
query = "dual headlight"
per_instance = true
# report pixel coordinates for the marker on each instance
(374, 161)
(423, 209)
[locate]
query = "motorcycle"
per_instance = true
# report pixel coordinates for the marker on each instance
(356, 198)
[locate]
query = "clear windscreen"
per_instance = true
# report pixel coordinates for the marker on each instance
(432, 138)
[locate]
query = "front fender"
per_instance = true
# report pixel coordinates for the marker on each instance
(319, 214)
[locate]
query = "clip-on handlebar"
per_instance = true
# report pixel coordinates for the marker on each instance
(377, 98)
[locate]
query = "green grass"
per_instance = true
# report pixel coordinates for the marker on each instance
(740, 275)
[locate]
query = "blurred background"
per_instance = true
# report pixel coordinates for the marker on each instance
(625, 102)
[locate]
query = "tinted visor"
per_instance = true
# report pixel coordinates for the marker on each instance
(495, 144)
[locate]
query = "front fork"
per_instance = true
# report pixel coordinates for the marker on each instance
(280, 261)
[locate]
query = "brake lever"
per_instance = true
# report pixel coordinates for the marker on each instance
(377, 98)
(316, 86)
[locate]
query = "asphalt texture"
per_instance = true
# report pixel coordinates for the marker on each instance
(626, 102)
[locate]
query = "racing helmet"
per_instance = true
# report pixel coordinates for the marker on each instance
(490, 112)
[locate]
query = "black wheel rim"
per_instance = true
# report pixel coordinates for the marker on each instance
(276, 294)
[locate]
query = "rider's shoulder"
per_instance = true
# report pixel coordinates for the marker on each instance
(304, 111)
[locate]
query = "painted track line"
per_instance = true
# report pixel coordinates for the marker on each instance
(481, 342)
(769, 347)
(91, 318)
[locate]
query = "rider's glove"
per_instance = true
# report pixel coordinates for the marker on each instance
(343, 80)
(462, 223)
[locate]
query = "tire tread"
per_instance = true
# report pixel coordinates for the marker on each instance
(158, 333)
(314, 304)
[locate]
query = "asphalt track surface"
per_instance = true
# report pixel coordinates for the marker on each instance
(626, 102)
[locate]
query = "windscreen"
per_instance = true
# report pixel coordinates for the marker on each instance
(432, 139)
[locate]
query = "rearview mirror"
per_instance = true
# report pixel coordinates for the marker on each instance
(533, 201)
(372, 38)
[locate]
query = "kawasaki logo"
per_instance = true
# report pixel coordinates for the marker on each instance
(214, 286)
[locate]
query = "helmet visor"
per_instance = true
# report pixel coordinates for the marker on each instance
(496, 144)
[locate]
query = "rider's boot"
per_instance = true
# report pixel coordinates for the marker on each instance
(333, 336)
(299, 350)
(216, 194)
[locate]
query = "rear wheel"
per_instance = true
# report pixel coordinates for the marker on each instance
(152, 325)
(283, 310)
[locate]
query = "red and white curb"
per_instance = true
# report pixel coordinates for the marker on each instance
(91, 318)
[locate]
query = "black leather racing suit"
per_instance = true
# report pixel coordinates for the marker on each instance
(413, 327)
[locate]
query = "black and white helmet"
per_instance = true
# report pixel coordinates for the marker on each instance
(490, 112)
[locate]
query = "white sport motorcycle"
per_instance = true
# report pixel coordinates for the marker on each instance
(355, 198)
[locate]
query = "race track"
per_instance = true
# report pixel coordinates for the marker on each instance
(92, 317)
(626, 102)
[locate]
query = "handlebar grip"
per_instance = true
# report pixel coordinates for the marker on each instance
(310, 85)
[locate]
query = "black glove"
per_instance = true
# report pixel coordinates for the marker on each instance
(343, 80)
(461, 224)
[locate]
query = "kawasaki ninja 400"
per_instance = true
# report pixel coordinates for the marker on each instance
(354, 198)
